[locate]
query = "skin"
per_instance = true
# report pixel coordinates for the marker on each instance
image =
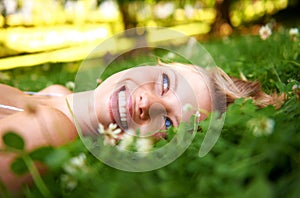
(148, 101)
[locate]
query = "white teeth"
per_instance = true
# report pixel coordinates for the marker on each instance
(122, 108)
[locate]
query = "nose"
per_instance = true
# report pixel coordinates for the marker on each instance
(150, 105)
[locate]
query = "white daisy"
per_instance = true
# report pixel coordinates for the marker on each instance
(265, 32)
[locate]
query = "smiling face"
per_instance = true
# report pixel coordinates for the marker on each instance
(151, 98)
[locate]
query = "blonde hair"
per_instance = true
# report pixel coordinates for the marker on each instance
(234, 88)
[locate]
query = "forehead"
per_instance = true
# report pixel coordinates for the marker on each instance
(198, 80)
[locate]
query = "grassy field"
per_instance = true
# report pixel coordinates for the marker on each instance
(257, 154)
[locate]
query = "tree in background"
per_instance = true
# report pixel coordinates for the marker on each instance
(3, 13)
(129, 18)
(222, 24)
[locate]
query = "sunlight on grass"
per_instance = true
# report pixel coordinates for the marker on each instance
(47, 38)
(76, 53)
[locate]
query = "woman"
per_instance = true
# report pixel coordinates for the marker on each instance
(149, 99)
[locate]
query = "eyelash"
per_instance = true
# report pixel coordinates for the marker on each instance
(165, 89)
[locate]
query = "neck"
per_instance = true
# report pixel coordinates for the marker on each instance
(81, 111)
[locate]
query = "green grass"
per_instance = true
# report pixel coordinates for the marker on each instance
(241, 164)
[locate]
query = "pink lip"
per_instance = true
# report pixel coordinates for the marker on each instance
(113, 102)
(114, 107)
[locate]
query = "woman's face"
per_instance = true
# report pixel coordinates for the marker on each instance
(150, 99)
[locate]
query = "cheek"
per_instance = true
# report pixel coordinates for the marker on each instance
(112, 80)
(141, 77)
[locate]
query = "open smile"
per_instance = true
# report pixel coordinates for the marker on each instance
(121, 108)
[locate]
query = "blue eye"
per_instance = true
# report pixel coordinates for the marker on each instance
(168, 122)
(165, 83)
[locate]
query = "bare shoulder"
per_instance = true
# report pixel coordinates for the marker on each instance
(7, 88)
(7, 91)
(50, 89)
